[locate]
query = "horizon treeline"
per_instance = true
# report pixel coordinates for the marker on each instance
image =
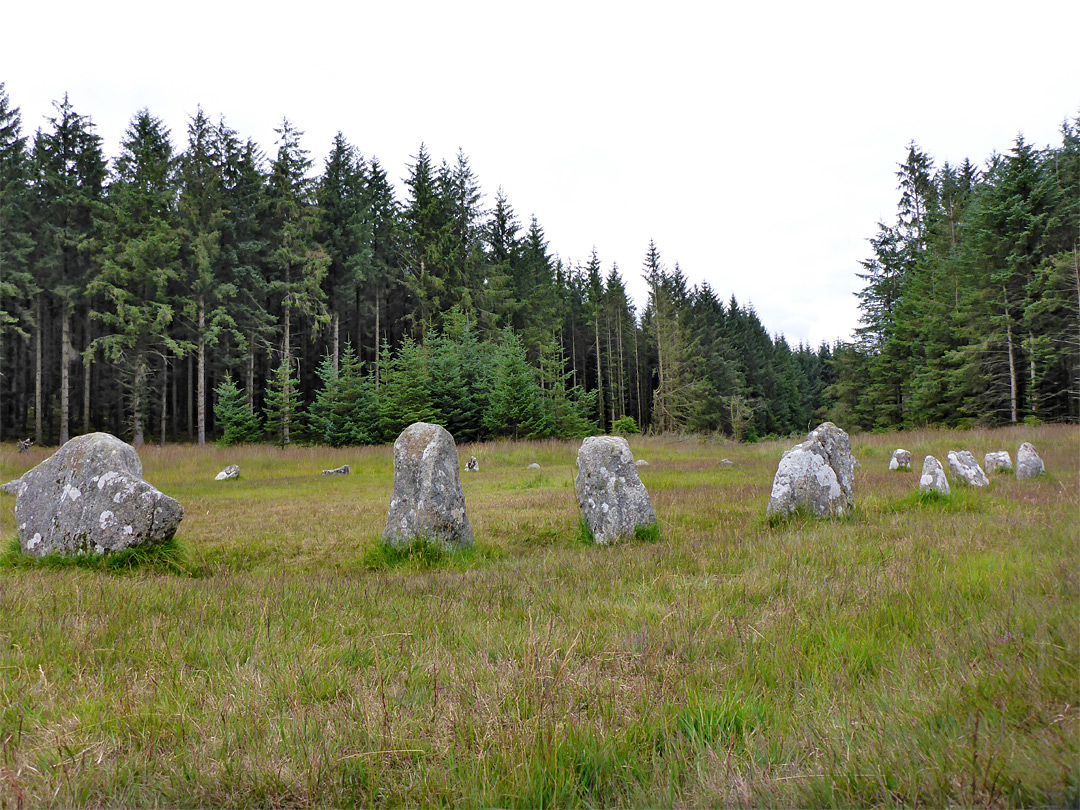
(971, 298)
(136, 293)
(209, 291)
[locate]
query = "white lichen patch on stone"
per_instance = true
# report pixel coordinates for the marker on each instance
(106, 519)
(106, 478)
(70, 492)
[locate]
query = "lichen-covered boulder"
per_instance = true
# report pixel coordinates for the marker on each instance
(993, 462)
(230, 473)
(933, 477)
(533, 466)
(612, 498)
(428, 502)
(342, 470)
(901, 460)
(1028, 463)
(818, 474)
(964, 466)
(90, 497)
(472, 465)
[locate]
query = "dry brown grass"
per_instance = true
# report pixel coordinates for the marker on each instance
(912, 654)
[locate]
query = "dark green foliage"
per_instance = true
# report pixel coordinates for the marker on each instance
(282, 403)
(625, 426)
(344, 412)
(234, 419)
(165, 271)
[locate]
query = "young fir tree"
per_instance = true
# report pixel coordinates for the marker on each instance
(515, 407)
(281, 403)
(344, 412)
(232, 416)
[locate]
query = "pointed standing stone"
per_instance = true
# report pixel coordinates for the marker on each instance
(1028, 463)
(933, 477)
(818, 474)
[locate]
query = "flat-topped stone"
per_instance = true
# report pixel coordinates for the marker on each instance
(90, 497)
(997, 462)
(901, 460)
(613, 501)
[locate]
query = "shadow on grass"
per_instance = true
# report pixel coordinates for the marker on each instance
(169, 557)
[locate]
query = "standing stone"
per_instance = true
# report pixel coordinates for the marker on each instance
(228, 474)
(612, 498)
(901, 460)
(90, 496)
(342, 470)
(427, 502)
(1028, 463)
(472, 465)
(641, 463)
(533, 466)
(933, 477)
(818, 474)
(967, 469)
(997, 461)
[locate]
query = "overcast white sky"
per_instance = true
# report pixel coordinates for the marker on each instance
(755, 142)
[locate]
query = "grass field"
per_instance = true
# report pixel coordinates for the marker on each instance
(915, 653)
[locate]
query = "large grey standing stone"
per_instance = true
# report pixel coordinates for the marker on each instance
(818, 474)
(933, 477)
(1028, 463)
(230, 473)
(612, 498)
(901, 460)
(964, 466)
(428, 502)
(997, 461)
(90, 496)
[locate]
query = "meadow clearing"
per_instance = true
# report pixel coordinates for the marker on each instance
(918, 652)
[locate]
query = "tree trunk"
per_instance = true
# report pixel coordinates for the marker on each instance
(88, 361)
(37, 370)
(201, 382)
(335, 327)
(65, 377)
(378, 344)
(164, 395)
(599, 376)
(137, 438)
(637, 381)
(249, 373)
(286, 385)
(190, 398)
(1012, 360)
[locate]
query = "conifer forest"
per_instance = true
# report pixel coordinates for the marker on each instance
(196, 288)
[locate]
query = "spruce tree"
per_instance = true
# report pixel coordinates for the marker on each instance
(236, 422)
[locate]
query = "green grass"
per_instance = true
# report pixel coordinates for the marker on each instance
(169, 557)
(922, 651)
